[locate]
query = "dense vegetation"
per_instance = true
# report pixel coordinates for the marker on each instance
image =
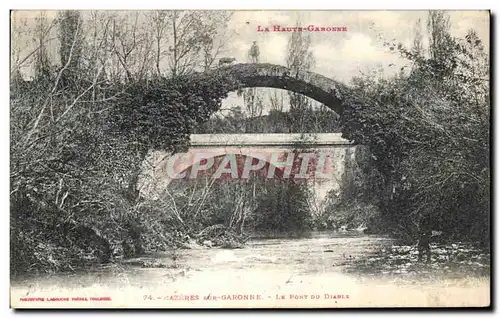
(78, 140)
(428, 132)
(80, 131)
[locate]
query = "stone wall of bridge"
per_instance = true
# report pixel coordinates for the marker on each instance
(237, 157)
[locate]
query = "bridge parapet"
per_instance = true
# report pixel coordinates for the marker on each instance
(263, 140)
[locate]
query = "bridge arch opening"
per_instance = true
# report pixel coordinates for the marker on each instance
(263, 75)
(270, 110)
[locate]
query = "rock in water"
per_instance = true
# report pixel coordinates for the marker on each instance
(207, 243)
(225, 256)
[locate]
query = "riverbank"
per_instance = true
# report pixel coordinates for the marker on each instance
(307, 272)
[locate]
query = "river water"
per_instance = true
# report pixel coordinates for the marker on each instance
(278, 272)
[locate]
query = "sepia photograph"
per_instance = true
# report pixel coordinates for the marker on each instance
(250, 159)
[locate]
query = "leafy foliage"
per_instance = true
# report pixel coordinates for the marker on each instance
(76, 156)
(428, 134)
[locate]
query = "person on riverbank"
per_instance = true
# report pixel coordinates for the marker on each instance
(424, 241)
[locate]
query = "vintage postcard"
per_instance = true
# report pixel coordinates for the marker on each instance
(249, 159)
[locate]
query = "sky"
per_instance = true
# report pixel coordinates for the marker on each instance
(338, 55)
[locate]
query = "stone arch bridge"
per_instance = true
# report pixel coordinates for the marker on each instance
(239, 155)
(318, 87)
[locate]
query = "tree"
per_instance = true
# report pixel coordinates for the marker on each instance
(418, 48)
(75, 152)
(215, 37)
(299, 59)
(70, 39)
(159, 20)
(253, 99)
(131, 43)
(438, 27)
(42, 62)
(428, 134)
(18, 32)
(185, 45)
(188, 38)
